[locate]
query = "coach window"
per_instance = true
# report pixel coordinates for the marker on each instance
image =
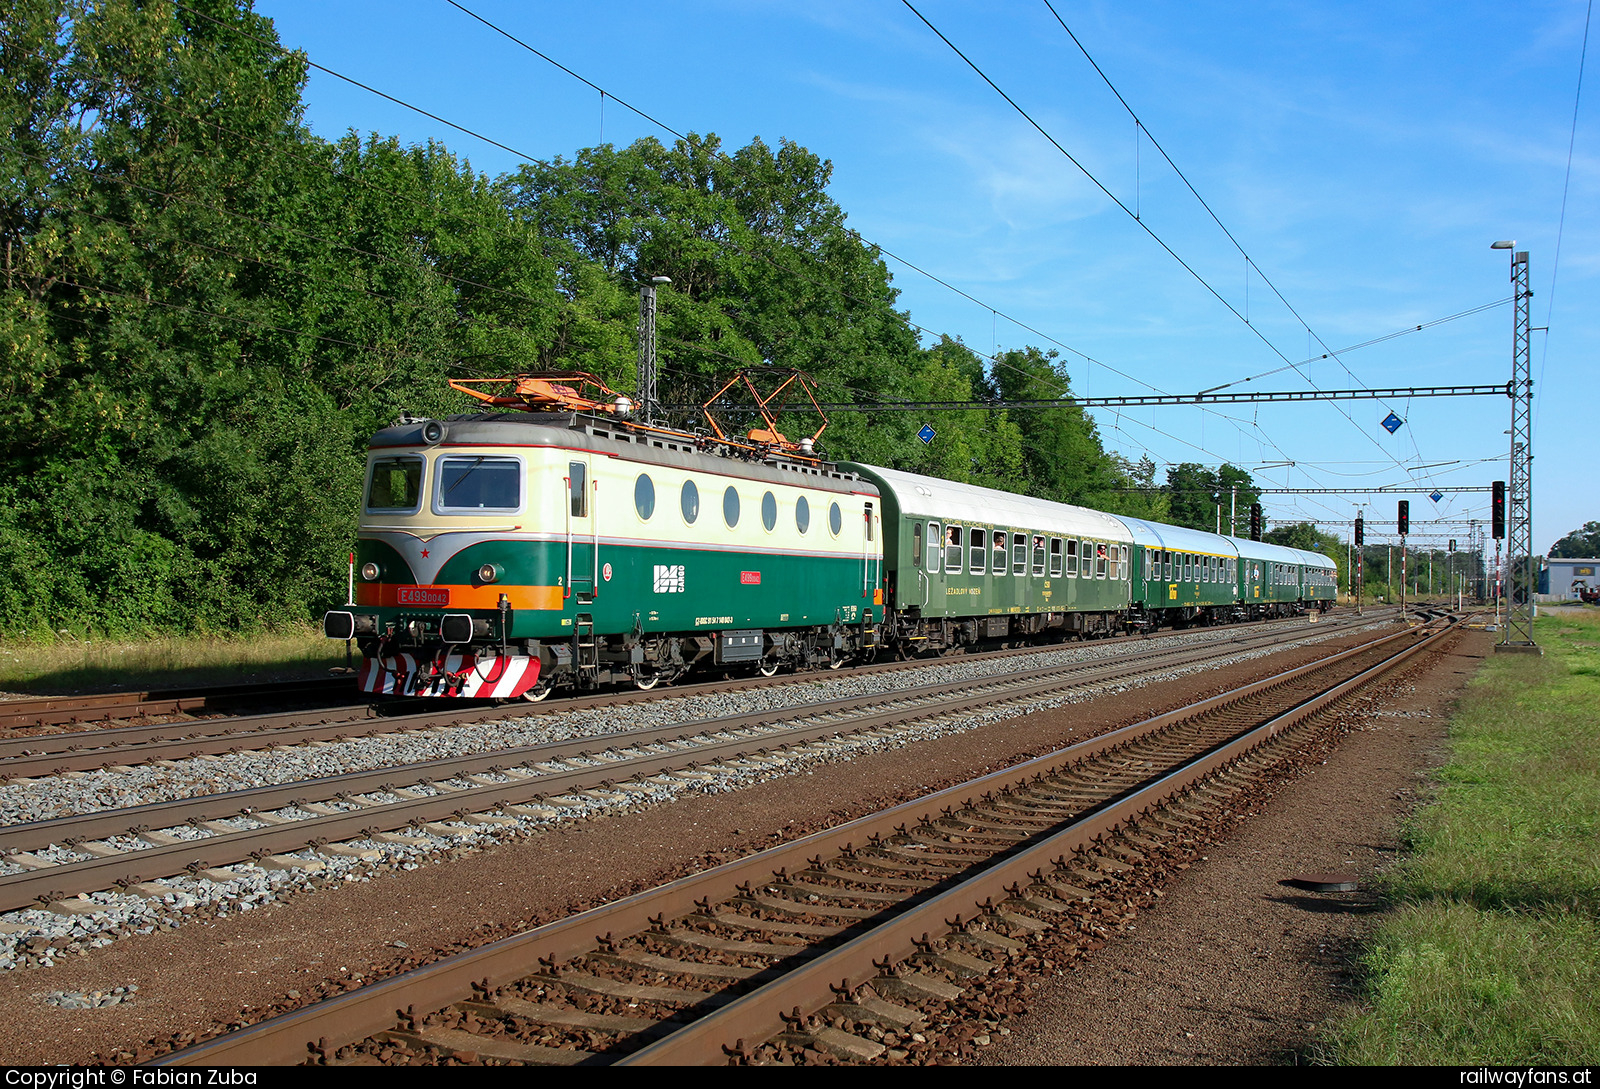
(1072, 559)
(1055, 557)
(1124, 550)
(1019, 553)
(835, 519)
(1188, 567)
(689, 500)
(977, 543)
(644, 497)
(396, 484)
(1111, 554)
(769, 511)
(952, 549)
(730, 506)
(916, 545)
(802, 515)
(1099, 561)
(578, 488)
(1168, 565)
(933, 547)
(999, 549)
(1086, 552)
(1038, 554)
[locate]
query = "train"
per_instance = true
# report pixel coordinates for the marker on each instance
(558, 541)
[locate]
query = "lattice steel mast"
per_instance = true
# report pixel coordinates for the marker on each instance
(1523, 579)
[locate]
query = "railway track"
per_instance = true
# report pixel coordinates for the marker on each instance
(353, 814)
(42, 712)
(822, 946)
(52, 754)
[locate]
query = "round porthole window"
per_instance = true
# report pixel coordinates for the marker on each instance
(644, 496)
(802, 514)
(769, 511)
(730, 506)
(689, 499)
(835, 519)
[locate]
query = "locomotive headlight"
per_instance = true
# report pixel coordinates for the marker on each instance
(370, 571)
(489, 572)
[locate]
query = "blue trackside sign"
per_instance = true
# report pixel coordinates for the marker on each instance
(1393, 423)
(927, 433)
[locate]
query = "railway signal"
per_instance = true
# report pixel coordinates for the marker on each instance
(1255, 521)
(1405, 517)
(1497, 511)
(1361, 531)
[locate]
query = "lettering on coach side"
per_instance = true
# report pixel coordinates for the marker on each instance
(713, 620)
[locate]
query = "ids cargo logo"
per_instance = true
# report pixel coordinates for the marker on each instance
(750, 578)
(417, 595)
(669, 578)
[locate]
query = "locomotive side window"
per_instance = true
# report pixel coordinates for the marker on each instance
(867, 513)
(396, 484)
(952, 549)
(689, 501)
(644, 497)
(578, 488)
(479, 484)
(769, 511)
(1055, 557)
(916, 545)
(835, 519)
(977, 543)
(934, 546)
(1038, 554)
(730, 506)
(999, 549)
(802, 515)
(1019, 553)
(1072, 559)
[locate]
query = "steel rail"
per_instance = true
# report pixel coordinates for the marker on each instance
(870, 712)
(289, 1038)
(23, 758)
(56, 710)
(758, 1015)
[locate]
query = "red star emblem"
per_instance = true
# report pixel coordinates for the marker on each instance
(424, 553)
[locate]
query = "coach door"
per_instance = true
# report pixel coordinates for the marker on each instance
(871, 557)
(583, 535)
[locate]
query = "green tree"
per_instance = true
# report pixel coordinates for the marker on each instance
(1581, 544)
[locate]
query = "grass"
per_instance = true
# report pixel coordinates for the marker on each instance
(73, 665)
(1489, 954)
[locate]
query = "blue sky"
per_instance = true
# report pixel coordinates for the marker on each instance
(1363, 155)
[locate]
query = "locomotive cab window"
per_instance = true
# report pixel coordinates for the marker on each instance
(1072, 559)
(471, 484)
(1055, 557)
(1019, 553)
(977, 543)
(952, 549)
(396, 484)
